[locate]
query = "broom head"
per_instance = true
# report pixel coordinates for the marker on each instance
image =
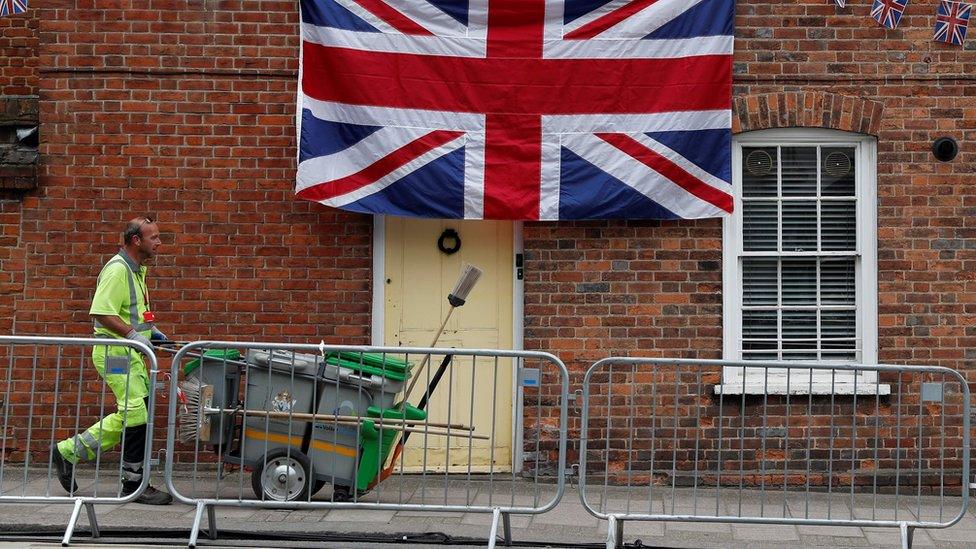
(465, 282)
(194, 423)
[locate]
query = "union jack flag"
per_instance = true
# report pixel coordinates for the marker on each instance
(888, 12)
(951, 22)
(11, 7)
(517, 109)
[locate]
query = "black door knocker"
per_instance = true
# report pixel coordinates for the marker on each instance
(449, 236)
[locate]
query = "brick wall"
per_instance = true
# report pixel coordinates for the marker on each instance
(18, 54)
(641, 288)
(11, 261)
(18, 82)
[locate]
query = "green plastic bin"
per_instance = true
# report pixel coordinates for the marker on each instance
(376, 448)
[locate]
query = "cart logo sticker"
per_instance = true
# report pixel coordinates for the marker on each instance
(345, 408)
(283, 402)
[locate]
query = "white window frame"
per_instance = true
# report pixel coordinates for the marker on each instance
(774, 381)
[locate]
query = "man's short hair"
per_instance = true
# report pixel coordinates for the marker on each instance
(134, 228)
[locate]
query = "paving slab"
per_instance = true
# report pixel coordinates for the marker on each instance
(765, 532)
(891, 537)
(710, 527)
(569, 514)
(832, 531)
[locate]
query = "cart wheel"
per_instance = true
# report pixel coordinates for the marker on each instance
(283, 476)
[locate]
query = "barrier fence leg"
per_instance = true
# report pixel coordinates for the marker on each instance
(493, 534)
(507, 523)
(212, 521)
(907, 533)
(66, 540)
(197, 518)
(612, 533)
(90, 509)
(69, 532)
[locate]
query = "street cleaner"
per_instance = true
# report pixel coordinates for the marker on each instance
(120, 310)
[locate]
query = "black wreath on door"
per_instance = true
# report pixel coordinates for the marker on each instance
(449, 236)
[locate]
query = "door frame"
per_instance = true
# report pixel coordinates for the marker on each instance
(378, 318)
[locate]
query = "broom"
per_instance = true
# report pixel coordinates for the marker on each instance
(465, 283)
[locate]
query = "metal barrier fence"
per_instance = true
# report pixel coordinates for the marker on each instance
(270, 425)
(52, 391)
(774, 443)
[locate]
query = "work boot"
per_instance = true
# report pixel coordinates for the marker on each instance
(65, 470)
(151, 496)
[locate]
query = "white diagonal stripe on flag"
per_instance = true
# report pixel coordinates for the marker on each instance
(366, 15)
(684, 163)
(639, 176)
(429, 16)
(352, 160)
(393, 176)
(648, 19)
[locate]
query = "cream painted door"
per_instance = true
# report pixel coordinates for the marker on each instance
(418, 279)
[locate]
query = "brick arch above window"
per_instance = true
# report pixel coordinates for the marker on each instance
(811, 109)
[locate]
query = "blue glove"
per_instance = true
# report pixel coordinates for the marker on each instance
(158, 335)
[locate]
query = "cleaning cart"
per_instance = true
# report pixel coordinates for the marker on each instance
(300, 421)
(307, 420)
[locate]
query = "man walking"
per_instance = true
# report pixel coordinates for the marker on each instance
(120, 310)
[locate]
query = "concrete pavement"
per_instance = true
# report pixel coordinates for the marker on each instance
(568, 523)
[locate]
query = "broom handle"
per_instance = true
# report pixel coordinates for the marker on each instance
(416, 377)
(304, 416)
(329, 417)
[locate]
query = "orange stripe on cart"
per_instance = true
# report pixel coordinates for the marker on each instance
(297, 441)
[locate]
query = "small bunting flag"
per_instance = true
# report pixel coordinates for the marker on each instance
(888, 12)
(12, 7)
(952, 22)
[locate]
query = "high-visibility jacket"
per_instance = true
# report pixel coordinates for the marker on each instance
(121, 291)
